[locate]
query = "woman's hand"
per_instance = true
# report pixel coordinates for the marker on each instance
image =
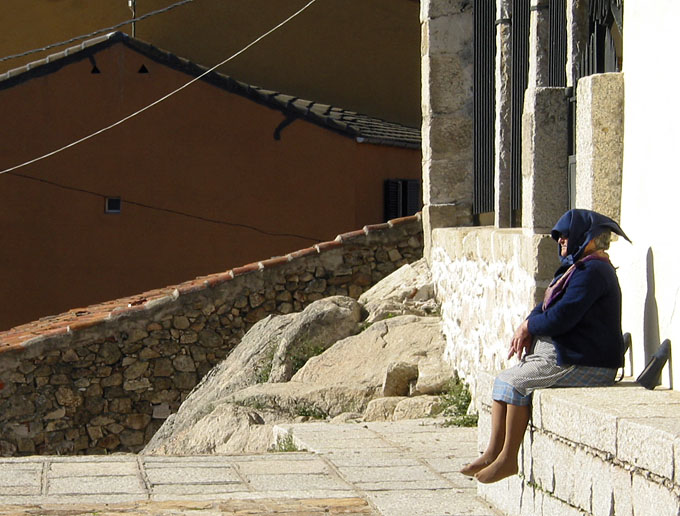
(521, 340)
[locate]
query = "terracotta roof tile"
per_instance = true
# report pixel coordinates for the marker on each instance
(217, 279)
(302, 252)
(345, 237)
(245, 269)
(273, 262)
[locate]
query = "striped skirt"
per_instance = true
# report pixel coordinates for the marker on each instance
(539, 370)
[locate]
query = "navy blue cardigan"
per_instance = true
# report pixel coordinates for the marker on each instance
(585, 322)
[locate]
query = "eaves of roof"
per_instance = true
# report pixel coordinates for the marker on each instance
(363, 128)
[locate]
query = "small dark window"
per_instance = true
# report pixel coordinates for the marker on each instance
(113, 204)
(402, 198)
(143, 69)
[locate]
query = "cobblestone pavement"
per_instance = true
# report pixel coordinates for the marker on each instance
(392, 469)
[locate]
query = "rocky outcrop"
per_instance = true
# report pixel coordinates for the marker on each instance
(409, 290)
(330, 361)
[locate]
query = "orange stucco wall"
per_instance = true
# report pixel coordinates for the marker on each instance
(204, 151)
(358, 54)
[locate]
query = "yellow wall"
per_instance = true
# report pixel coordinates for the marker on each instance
(204, 151)
(362, 55)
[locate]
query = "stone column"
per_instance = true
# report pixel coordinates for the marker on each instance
(447, 106)
(577, 35)
(503, 125)
(544, 158)
(545, 192)
(599, 143)
(539, 44)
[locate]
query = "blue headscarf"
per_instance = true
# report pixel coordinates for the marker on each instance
(581, 226)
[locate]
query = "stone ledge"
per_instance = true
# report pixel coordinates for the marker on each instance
(592, 451)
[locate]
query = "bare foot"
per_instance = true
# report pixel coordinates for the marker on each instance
(478, 464)
(498, 470)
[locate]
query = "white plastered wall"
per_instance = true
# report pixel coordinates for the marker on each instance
(650, 205)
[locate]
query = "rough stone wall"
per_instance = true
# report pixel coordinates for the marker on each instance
(103, 379)
(487, 279)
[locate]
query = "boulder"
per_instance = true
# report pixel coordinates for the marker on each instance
(417, 407)
(286, 340)
(382, 409)
(408, 290)
(398, 378)
(363, 360)
(247, 364)
(347, 376)
(318, 364)
(310, 333)
(225, 428)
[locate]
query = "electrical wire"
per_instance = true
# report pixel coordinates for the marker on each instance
(167, 210)
(97, 32)
(165, 97)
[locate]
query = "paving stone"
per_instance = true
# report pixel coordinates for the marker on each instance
(295, 482)
(404, 485)
(88, 469)
(95, 485)
(198, 489)
(282, 467)
(387, 473)
(430, 503)
(192, 475)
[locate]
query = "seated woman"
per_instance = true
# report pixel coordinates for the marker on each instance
(572, 339)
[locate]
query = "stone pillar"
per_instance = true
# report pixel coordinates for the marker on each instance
(599, 143)
(544, 158)
(447, 106)
(539, 44)
(503, 125)
(577, 35)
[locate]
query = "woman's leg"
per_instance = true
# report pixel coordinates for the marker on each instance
(496, 440)
(505, 464)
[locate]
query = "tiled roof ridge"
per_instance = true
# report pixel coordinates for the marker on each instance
(83, 318)
(364, 128)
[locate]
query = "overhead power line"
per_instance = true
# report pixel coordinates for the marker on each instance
(168, 210)
(97, 32)
(156, 102)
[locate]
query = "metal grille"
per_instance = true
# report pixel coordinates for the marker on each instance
(599, 56)
(558, 44)
(520, 68)
(484, 105)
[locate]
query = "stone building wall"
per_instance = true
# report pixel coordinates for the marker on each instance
(487, 279)
(103, 379)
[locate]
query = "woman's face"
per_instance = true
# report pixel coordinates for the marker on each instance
(562, 242)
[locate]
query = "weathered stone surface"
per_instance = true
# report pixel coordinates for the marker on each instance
(382, 409)
(544, 158)
(318, 327)
(234, 396)
(599, 143)
(416, 407)
(363, 359)
(409, 290)
(399, 377)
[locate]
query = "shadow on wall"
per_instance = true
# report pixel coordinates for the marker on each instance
(652, 339)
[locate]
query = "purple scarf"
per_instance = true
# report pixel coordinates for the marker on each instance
(555, 290)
